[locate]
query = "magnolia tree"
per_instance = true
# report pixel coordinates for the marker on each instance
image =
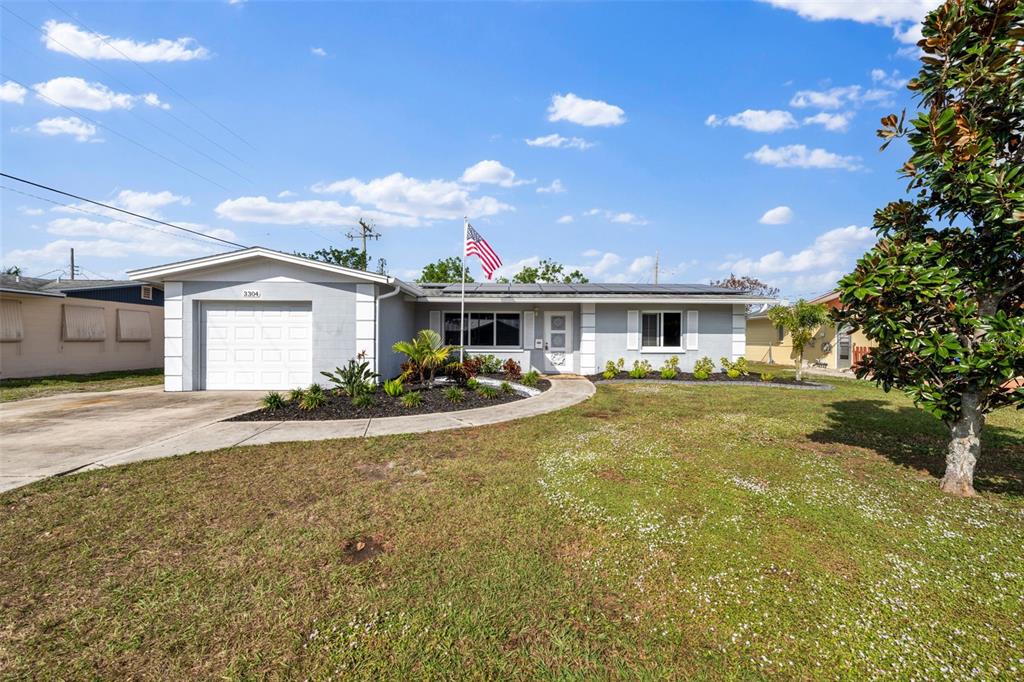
(942, 293)
(802, 320)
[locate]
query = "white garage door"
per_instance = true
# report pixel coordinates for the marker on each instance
(258, 346)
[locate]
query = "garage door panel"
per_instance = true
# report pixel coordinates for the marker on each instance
(257, 346)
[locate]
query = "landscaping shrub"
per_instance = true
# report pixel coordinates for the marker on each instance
(411, 399)
(767, 376)
(454, 394)
(427, 351)
(512, 370)
(457, 372)
(273, 401)
(641, 368)
(703, 368)
(506, 387)
(485, 391)
(394, 387)
(474, 366)
(472, 384)
(735, 369)
(364, 400)
(671, 368)
(612, 369)
(296, 395)
(531, 379)
(354, 379)
(489, 364)
(314, 397)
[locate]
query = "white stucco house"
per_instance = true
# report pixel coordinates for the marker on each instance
(262, 319)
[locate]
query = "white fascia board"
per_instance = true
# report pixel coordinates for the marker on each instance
(162, 272)
(28, 292)
(733, 300)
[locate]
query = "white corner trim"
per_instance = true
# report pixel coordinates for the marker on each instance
(366, 319)
(588, 338)
(739, 331)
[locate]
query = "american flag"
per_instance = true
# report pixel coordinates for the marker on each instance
(477, 246)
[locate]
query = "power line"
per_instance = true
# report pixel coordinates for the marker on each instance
(151, 74)
(101, 215)
(132, 111)
(119, 210)
(121, 135)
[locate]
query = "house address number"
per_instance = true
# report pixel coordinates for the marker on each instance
(250, 293)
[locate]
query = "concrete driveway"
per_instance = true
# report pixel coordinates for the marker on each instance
(48, 436)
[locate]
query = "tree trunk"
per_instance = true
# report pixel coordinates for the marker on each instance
(800, 367)
(964, 448)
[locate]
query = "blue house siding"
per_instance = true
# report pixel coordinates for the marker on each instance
(130, 294)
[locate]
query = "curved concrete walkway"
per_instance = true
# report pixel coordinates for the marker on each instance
(563, 393)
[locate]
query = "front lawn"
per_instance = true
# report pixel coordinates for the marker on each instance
(38, 387)
(709, 532)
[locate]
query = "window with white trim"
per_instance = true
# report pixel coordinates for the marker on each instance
(484, 330)
(661, 330)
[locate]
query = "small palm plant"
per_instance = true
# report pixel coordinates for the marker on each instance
(427, 351)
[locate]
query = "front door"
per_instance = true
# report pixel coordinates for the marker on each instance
(844, 350)
(558, 341)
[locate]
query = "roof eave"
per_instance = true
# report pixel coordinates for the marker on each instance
(31, 292)
(608, 298)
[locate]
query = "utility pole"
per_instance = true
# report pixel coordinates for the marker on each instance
(657, 257)
(366, 231)
(72, 263)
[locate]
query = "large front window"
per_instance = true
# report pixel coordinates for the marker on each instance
(484, 330)
(662, 330)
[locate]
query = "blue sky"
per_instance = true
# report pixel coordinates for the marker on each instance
(724, 136)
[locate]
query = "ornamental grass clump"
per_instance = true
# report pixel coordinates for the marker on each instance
(531, 379)
(273, 401)
(394, 387)
(488, 392)
(454, 394)
(313, 398)
(411, 399)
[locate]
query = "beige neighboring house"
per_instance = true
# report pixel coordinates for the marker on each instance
(50, 327)
(831, 348)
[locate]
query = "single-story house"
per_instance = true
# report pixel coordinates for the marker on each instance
(832, 347)
(262, 319)
(78, 326)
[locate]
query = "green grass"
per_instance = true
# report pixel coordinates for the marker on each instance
(654, 531)
(38, 387)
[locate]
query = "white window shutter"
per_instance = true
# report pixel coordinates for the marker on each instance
(528, 330)
(435, 321)
(692, 335)
(632, 330)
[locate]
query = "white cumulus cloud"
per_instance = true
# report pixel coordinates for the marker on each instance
(585, 112)
(799, 156)
(756, 120)
(557, 141)
(12, 93)
(491, 172)
(832, 122)
(903, 16)
(555, 187)
(68, 38)
(308, 212)
(71, 125)
(780, 215)
(318, 51)
(565, 220)
(78, 93)
(833, 248)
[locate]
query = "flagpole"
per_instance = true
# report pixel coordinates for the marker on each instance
(462, 305)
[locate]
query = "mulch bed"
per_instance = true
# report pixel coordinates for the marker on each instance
(339, 406)
(718, 377)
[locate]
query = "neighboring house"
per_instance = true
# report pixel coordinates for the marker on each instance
(78, 326)
(262, 319)
(831, 348)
